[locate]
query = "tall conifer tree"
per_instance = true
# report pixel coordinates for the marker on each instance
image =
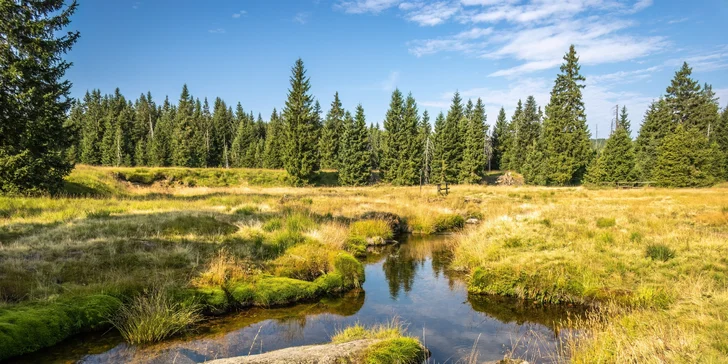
(355, 158)
(566, 138)
(500, 134)
(331, 134)
(300, 131)
(473, 165)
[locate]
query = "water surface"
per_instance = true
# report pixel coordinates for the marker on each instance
(408, 282)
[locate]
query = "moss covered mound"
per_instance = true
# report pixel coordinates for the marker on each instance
(27, 328)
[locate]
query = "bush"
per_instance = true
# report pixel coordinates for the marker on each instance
(371, 229)
(660, 252)
(30, 327)
(604, 222)
(153, 317)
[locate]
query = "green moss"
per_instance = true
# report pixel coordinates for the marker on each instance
(30, 327)
(558, 284)
(356, 245)
(402, 350)
(282, 291)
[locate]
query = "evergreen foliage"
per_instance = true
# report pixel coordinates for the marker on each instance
(33, 96)
(449, 151)
(686, 159)
(500, 135)
(331, 133)
(566, 146)
(474, 162)
(616, 161)
(300, 128)
(355, 151)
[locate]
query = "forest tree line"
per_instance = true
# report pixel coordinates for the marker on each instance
(683, 140)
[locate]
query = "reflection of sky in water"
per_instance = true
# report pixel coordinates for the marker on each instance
(402, 283)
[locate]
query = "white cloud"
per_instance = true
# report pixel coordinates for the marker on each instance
(597, 41)
(391, 82)
(302, 17)
(622, 77)
(705, 61)
(466, 42)
(429, 14)
(239, 14)
(366, 6)
(676, 21)
(217, 31)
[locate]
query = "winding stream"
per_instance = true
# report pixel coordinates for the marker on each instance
(408, 282)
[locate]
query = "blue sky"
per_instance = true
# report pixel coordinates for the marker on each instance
(499, 50)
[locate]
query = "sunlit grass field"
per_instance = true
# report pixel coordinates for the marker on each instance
(653, 263)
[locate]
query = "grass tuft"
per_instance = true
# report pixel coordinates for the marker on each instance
(659, 252)
(153, 317)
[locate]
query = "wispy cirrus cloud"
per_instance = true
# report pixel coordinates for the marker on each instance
(217, 31)
(467, 41)
(390, 83)
(302, 17)
(366, 6)
(239, 14)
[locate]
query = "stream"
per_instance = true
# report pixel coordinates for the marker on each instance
(408, 283)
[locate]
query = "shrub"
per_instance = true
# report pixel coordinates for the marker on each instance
(605, 222)
(660, 252)
(153, 317)
(30, 327)
(371, 229)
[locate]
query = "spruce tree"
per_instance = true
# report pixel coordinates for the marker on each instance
(566, 139)
(437, 172)
(656, 126)
(300, 130)
(510, 158)
(721, 139)
(616, 162)
(355, 158)
(391, 138)
(473, 165)
(331, 134)
(34, 98)
(375, 138)
(451, 144)
(527, 128)
(161, 151)
(624, 122)
(424, 132)
(272, 155)
(92, 129)
(686, 159)
(408, 157)
(183, 147)
(500, 134)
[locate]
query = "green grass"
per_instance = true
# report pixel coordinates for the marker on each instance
(605, 222)
(372, 228)
(28, 327)
(392, 345)
(153, 317)
(660, 252)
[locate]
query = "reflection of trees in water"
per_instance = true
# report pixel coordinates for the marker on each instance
(400, 270)
(518, 311)
(403, 261)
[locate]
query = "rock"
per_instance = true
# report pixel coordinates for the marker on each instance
(349, 352)
(472, 221)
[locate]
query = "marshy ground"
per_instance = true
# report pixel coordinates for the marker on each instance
(127, 244)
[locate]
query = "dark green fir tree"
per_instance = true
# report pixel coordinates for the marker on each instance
(355, 154)
(300, 128)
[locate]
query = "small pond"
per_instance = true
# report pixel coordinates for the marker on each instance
(408, 282)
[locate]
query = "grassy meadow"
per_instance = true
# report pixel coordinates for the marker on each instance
(151, 251)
